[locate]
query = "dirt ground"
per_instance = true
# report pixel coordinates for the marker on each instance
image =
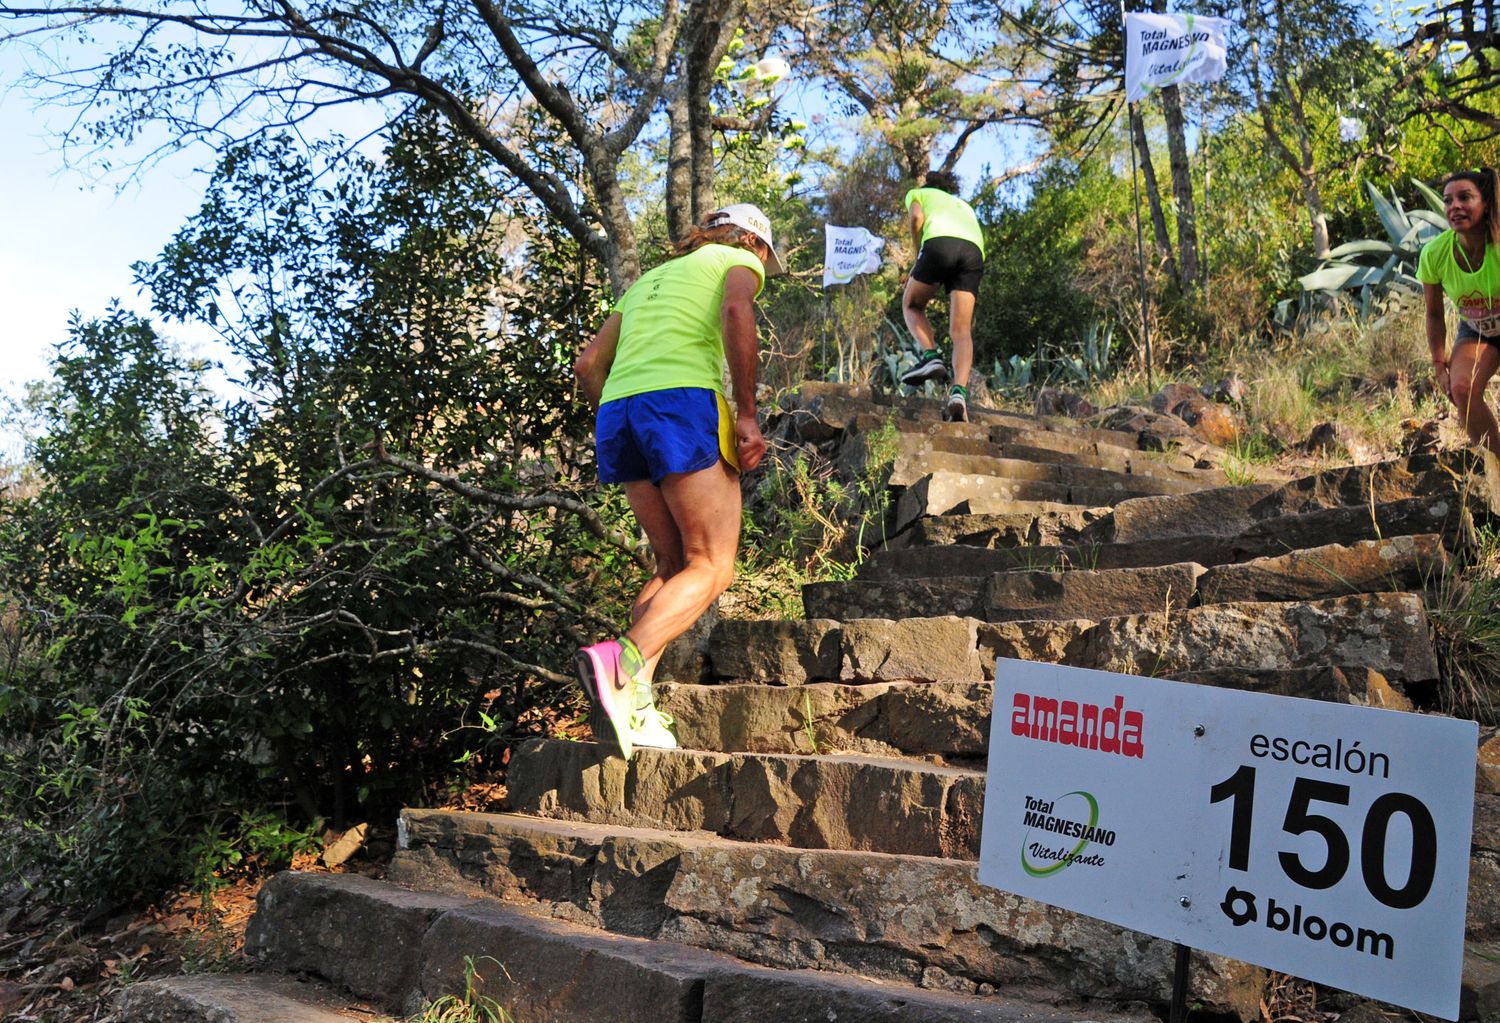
(57, 968)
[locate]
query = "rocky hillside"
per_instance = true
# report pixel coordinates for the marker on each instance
(809, 854)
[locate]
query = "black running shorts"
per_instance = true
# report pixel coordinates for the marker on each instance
(954, 263)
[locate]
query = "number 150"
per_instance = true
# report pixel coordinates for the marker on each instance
(1240, 788)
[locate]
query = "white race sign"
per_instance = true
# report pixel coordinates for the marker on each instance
(1317, 839)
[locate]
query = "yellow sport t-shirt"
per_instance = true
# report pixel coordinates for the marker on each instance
(1476, 294)
(670, 331)
(946, 216)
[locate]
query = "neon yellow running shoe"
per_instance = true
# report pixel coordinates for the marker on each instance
(649, 726)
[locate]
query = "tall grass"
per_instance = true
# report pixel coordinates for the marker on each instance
(1461, 606)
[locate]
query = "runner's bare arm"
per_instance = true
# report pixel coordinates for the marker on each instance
(592, 367)
(741, 349)
(1437, 333)
(918, 221)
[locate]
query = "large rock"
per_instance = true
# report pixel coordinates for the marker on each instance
(685, 789)
(895, 598)
(1333, 570)
(1054, 642)
(922, 649)
(910, 919)
(1051, 401)
(1210, 423)
(1151, 430)
(1172, 395)
(785, 652)
(918, 564)
(1027, 596)
(1387, 632)
(1225, 511)
(686, 658)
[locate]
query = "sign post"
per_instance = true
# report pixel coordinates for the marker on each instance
(1317, 839)
(848, 252)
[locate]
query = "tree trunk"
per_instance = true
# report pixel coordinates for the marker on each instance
(1182, 187)
(1153, 195)
(690, 145)
(1316, 214)
(623, 255)
(1307, 170)
(679, 165)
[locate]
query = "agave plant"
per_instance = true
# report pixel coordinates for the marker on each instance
(1014, 375)
(1377, 264)
(1098, 346)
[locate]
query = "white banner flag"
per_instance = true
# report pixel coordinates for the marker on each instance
(849, 251)
(1169, 49)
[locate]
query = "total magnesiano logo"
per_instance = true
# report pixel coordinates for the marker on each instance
(1051, 825)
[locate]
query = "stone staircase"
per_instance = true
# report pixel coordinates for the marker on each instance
(809, 854)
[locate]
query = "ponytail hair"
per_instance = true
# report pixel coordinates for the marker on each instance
(1486, 180)
(943, 181)
(724, 234)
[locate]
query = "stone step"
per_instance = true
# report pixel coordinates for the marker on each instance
(992, 451)
(909, 468)
(232, 998)
(544, 970)
(1231, 511)
(1072, 538)
(818, 412)
(1016, 595)
(952, 493)
(1044, 525)
(1015, 584)
(1385, 632)
(939, 719)
(909, 919)
(836, 801)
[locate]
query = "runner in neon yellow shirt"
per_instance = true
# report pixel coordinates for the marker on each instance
(1464, 263)
(950, 252)
(655, 373)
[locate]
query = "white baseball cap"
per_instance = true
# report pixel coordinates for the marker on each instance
(748, 216)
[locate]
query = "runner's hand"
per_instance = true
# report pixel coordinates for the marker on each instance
(1441, 379)
(748, 443)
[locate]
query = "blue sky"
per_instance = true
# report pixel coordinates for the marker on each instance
(66, 243)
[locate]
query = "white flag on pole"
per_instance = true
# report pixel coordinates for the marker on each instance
(849, 252)
(1170, 49)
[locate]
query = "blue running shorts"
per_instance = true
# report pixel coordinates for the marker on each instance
(652, 435)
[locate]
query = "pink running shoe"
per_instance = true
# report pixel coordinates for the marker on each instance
(598, 667)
